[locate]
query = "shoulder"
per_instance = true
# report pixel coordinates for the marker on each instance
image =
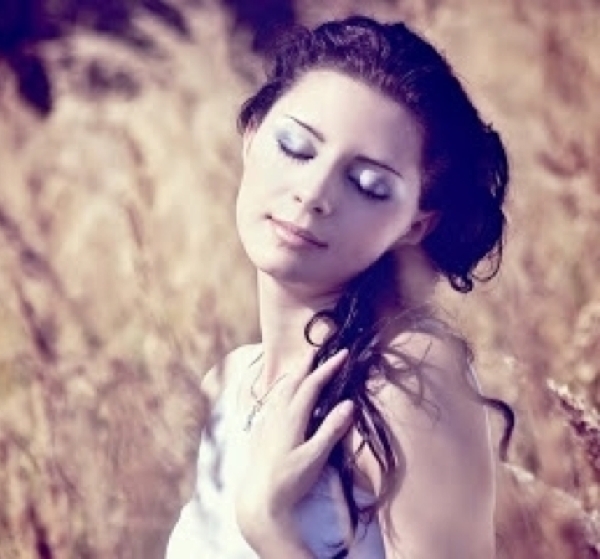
(227, 368)
(433, 374)
(440, 436)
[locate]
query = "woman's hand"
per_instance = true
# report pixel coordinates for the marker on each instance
(282, 465)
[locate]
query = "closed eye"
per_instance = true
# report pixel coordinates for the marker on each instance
(298, 156)
(374, 194)
(293, 142)
(370, 184)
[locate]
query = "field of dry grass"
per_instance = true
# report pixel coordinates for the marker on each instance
(122, 279)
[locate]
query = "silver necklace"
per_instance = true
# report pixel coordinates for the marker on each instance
(258, 401)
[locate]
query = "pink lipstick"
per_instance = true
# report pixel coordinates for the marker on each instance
(295, 236)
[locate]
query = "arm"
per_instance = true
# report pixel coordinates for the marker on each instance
(442, 505)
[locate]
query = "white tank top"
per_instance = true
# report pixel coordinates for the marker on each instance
(207, 528)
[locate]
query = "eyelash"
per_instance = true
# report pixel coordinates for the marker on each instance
(297, 157)
(372, 194)
(303, 158)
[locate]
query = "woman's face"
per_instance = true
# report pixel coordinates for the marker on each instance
(331, 181)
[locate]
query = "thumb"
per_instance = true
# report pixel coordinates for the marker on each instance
(333, 428)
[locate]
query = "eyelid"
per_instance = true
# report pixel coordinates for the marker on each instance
(293, 139)
(306, 127)
(373, 188)
(297, 156)
(379, 176)
(380, 166)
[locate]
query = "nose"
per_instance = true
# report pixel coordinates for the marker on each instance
(317, 191)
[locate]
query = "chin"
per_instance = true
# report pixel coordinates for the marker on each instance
(304, 280)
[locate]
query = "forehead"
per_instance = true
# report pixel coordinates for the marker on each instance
(347, 110)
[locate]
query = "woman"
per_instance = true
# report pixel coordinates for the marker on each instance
(356, 427)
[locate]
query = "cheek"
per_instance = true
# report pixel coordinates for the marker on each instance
(361, 245)
(252, 186)
(257, 190)
(260, 173)
(249, 194)
(368, 236)
(380, 229)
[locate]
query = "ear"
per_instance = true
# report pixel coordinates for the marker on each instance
(423, 224)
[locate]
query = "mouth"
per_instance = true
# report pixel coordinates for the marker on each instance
(294, 235)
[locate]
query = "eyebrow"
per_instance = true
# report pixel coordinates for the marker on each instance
(364, 158)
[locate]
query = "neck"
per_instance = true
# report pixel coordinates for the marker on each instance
(284, 312)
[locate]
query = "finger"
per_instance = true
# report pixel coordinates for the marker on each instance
(309, 390)
(294, 377)
(335, 426)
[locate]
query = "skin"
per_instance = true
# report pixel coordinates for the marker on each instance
(331, 181)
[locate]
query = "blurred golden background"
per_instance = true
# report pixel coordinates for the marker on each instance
(121, 278)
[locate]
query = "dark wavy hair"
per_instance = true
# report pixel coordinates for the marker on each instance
(465, 172)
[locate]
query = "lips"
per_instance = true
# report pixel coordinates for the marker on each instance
(295, 235)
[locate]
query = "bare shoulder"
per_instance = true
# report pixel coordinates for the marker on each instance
(442, 503)
(222, 372)
(434, 373)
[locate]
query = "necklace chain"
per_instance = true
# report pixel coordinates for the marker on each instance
(259, 401)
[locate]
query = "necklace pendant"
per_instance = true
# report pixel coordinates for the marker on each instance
(250, 418)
